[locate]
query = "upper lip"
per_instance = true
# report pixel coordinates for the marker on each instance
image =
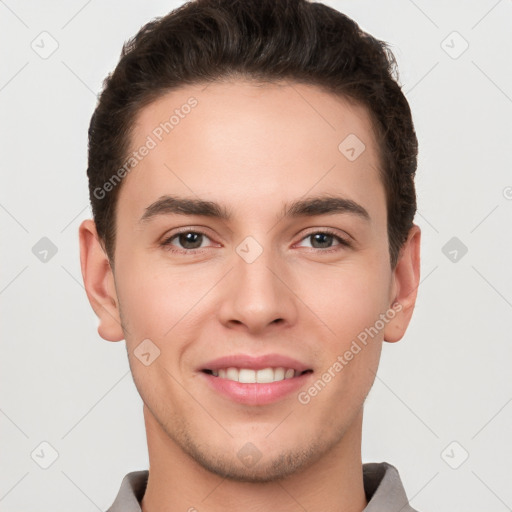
(255, 362)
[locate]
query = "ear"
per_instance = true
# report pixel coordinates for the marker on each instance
(406, 279)
(99, 282)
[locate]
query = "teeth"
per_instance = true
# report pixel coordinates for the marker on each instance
(265, 375)
(248, 376)
(279, 373)
(232, 374)
(244, 376)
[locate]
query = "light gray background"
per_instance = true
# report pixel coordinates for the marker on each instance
(447, 380)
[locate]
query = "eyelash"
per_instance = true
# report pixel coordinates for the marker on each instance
(166, 244)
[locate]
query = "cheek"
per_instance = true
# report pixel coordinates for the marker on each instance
(157, 305)
(159, 301)
(151, 301)
(352, 346)
(347, 300)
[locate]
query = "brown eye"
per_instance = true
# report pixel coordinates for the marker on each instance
(187, 240)
(190, 240)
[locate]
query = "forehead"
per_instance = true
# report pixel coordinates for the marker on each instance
(249, 144)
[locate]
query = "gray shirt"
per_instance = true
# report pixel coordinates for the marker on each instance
(382, 486)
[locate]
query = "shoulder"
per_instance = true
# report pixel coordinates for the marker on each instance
(131, 492)
(384, 489)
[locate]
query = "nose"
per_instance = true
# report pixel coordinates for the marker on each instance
(258, 296)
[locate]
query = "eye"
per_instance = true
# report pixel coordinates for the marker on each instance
(192, 240)
(188, 240)
(322, 240)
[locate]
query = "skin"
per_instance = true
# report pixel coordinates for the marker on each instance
(252, 148)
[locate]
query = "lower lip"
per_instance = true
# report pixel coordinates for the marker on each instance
(256, 394)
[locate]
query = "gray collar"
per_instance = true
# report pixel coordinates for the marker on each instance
(382, 485)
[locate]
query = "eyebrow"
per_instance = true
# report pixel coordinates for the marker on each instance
(310, 207)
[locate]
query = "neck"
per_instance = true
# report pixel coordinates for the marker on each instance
(334, 483)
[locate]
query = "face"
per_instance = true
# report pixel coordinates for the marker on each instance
(252, 256)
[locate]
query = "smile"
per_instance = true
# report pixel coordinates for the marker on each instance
(250, 376)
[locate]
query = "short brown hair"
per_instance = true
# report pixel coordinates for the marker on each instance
(267, 40)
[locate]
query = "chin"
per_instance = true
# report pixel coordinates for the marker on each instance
(249, 464)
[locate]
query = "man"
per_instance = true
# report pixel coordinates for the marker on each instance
(251, 173)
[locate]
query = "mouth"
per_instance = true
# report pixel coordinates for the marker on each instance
(251, 376)
(255, 380)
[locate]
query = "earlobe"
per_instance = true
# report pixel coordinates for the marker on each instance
(99, 282)
(406, 276)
